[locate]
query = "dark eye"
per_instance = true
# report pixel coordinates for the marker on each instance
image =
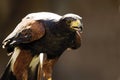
(68, 22)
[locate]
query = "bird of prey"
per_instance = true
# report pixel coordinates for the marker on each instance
(39, 34)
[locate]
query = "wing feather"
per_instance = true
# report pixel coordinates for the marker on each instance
(26, 31)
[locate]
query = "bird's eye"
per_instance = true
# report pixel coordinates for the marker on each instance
(68, 22)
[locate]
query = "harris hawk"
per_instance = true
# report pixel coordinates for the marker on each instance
(41, 36)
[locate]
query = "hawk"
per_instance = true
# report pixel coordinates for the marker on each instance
(39, 34)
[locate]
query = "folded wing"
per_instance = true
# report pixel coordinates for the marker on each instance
(27, 30)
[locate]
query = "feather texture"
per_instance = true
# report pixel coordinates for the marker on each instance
(43, 32)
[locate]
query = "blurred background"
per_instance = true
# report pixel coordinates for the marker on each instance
(99, 56)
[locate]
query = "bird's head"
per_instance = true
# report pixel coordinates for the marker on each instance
(73, 22)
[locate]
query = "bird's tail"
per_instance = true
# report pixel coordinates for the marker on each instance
(7, 74)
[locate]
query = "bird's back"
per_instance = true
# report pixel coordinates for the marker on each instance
(43, 16)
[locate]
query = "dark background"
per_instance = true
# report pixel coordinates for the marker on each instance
(99, 56)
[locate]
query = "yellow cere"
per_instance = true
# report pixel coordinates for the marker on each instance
(76, 23)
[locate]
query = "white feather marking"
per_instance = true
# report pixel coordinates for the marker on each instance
(41, 56)
(43, 16)
(34, 62)
(14, 57)
(3, 46)
(72, 15)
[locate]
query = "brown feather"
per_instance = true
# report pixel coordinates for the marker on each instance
(36, 27)
(21, 65)
(47, 69)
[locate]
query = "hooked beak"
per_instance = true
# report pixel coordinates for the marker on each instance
(77, 25)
